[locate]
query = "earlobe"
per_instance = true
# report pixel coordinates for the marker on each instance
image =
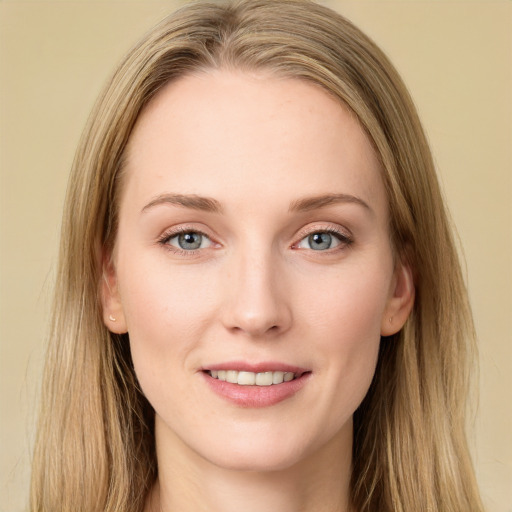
(400, 302)
(113, 314)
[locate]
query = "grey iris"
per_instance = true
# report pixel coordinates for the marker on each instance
(320, 241)
(190, 241)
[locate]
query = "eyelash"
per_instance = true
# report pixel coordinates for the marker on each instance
(168, 235)
(344, 239)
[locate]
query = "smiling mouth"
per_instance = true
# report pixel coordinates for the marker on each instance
(243, 378)
(256, 385)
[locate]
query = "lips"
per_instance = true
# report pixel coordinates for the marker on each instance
(255, 385)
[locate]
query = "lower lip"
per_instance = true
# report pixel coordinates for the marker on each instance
(256, 396)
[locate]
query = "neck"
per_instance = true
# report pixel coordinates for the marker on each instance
(187, 482)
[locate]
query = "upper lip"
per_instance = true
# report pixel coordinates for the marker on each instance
(264, 366)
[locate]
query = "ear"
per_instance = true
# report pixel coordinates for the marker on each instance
(400, 301)
(113, 314)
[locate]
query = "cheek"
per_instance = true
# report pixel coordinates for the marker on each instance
(168, 309)
(350, 302)
(347, 324)
(164, 325)
(157, 295)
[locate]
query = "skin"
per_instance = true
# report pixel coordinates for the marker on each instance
(256, 289)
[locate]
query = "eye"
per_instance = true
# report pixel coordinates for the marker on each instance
(323, 241)
(188, 241)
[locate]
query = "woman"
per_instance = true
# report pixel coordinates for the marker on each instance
(259, 303)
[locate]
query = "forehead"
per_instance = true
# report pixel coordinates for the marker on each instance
(226, 134)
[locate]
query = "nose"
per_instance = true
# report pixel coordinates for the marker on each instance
(257, 300)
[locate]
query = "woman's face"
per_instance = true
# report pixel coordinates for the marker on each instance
(253, 246)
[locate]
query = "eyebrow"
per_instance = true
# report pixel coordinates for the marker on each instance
(209, 204)
(206, 204)
(312, 203)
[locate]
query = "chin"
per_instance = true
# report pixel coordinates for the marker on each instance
(261, 462)
(265, 454)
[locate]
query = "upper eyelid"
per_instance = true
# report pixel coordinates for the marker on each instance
(326, 228)
(181, 232)
(177, 230)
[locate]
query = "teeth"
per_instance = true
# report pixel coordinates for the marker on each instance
(264, 379)
(278, 377)
(251, 378)
(288, 376)
(232, 376)
(246, 378)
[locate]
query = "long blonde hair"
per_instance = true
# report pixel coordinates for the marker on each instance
(95, 446)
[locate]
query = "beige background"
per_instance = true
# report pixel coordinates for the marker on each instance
(455, 56)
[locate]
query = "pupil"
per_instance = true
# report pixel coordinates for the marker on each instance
(190, 240)
(318, 241)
